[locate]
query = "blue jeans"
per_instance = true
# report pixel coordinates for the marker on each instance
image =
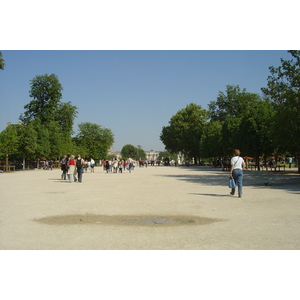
(237, 175)
(79, 172)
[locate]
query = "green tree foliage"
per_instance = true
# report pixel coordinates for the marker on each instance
(65, 115)
(257, 130)
(46, 92)
(185, 131)
(246, 122)
(93, 141)
(141, 154)
(166, 154)
(68, 146)
(27, 141)
(284, 90)
(52, 119)
(47, 126)
(231, 103)
(46, 104)
(2, 63)
(43, 139)
(9, 141)
(211, 140)
(56, 139)
(231, 136)
(130, 151)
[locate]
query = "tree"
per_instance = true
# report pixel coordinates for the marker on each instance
(141, 154)
(61, 129)
(211, 140)
(27, 141)
(94, 139)
(284, 90)
(166, 154)
(246, 120)
(46, 92)
(130, 151)
(65, 114)
(9, 142)
(43, 149)
(231, 103)
(2, 63)
(52, 119)
(185, 131)
(257, 131)
(56, 138)
(231, 137)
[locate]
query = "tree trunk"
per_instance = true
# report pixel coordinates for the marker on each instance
(257, 162)
(195, 161)
(24, 161)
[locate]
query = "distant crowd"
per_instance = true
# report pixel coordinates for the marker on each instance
(74, 168)
(224, 162)
(118, 165)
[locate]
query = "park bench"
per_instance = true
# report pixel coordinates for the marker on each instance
(268, 167)
(4, 168)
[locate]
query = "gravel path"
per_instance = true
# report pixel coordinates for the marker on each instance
(150, 208)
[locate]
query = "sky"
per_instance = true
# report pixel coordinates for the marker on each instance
(130, 66)
(132, 92)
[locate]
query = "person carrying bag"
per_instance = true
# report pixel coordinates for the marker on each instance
(237, 166)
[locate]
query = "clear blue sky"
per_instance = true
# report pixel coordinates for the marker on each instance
(134, 93)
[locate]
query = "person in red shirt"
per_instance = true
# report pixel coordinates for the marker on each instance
(72, 169)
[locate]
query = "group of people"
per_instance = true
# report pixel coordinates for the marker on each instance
(74, 168)
(47, 165)
(146, 163)
(116, 165)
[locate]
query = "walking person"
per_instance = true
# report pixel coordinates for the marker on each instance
(92, 165)
(120, 166)
(237, 165)
(115, 165)
(64, 167)
(107, 166)
(72, 169)
(290, 162)
(79, 166)
(130, 164)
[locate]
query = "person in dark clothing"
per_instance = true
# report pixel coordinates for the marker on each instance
(64, 167)
(79, 167)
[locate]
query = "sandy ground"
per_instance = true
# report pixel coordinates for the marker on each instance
(150, 208)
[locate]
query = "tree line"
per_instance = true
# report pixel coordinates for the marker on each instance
(45, 129)
(259, 125)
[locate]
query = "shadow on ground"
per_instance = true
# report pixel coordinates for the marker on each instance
(128, 220)
(212, 195)
(257, 179)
